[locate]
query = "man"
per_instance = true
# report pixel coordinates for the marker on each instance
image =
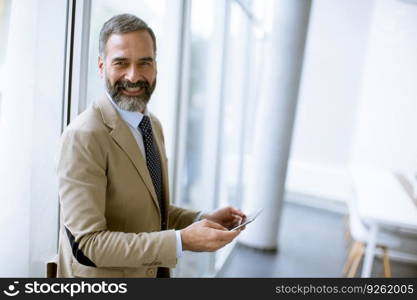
(117, 220)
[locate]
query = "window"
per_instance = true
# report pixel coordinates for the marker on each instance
(203, 93)
(30, 126)
(218, 104)
(163, 16)
(261, 25)
(202, 99)
(4, 30)
(209, 66)
(234, 103)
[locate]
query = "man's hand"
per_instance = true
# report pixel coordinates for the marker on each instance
(206, 235)
(228, 217)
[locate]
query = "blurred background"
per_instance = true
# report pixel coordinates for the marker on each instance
(306, 108)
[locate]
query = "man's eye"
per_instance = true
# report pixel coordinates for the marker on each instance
(120, 63)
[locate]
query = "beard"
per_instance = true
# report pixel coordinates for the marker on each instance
(130, 103)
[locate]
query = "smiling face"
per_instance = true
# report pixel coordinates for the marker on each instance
(128, 67)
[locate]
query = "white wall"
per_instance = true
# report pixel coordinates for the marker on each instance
(386, 132)
(328, 99)
(358, 99)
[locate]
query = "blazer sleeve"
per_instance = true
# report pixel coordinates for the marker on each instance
(81, 169)
(179, 218)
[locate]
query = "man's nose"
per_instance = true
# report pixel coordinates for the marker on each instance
(133, 74)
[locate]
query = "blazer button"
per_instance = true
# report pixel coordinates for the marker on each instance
(150, 272)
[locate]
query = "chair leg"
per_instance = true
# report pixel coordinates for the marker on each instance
(352, 252)
(348, 236)
(356, 260)
(387, 268)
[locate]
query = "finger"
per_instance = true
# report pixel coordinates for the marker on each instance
(237, 221)
(214, 225)
(238, 218)
(228, 236)
(236, 211)
(233, 219)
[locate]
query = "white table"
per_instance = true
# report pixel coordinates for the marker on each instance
(382, 201)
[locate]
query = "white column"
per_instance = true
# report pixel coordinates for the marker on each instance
(267, 168)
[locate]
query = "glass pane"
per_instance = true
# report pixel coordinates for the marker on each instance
(262, 10)
(199, 173)
(234, 107)
(234, 101)
(203, 106)
(163, 16)
(32, 54)
(4, 30)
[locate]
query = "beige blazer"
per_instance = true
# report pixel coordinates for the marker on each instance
(110, 217)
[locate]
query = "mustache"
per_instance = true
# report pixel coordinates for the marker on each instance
(127, 84)
(130, 103)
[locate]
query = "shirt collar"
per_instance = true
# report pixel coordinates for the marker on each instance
(133, 118)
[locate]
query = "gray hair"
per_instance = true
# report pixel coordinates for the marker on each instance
(123, 23)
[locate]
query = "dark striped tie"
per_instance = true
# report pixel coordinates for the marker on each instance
(153, 161)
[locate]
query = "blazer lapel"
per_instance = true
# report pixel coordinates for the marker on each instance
(123, 137)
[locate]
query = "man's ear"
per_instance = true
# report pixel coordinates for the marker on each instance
(100, 63)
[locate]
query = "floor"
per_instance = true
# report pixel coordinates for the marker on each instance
(304, 249)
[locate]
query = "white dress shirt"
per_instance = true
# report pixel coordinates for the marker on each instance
(132, 120)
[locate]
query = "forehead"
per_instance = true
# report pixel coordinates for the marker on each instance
(131, 45)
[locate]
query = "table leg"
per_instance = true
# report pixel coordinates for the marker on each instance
(370, 251)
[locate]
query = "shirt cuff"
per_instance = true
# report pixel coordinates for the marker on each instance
(179, 243)
(198, 216)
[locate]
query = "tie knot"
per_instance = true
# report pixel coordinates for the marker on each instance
(145, 124)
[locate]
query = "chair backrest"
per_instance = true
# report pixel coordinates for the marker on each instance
(408, 185)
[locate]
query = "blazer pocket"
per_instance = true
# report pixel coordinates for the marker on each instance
(82, 271)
